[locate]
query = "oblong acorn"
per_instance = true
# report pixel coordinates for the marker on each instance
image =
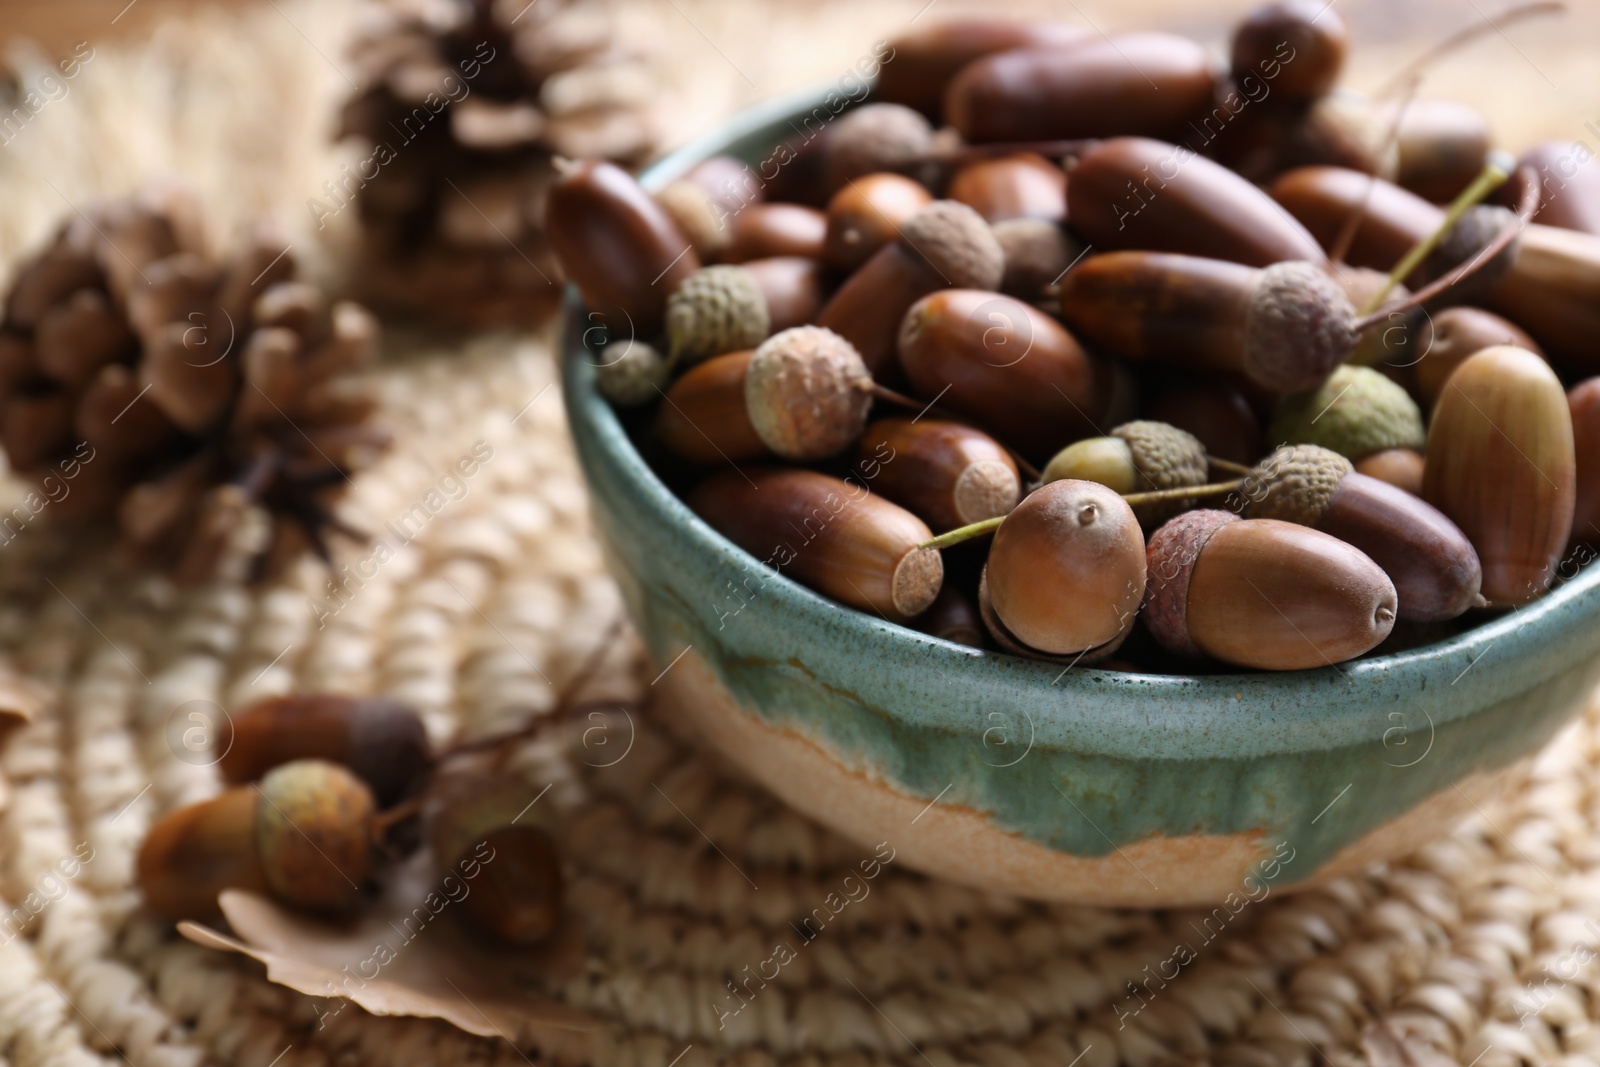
(1024, 185)
(866, 213)
(1137, 457)
(1434, 568)
(1006, 364)
(382, 740)
(1066, 573)
(617, 245)
(1501, 464)
(1147, 195)
(761, 231)
(195, 852)
(922, 61)
(946, 245)
(703, 417)
(1442, 145)
(807, 393)
(1262, 593)
(1355, 412)
(1285, 327)
(1324, 199)
(716, 310)
(794, 288)
(493, 835)
(945, 473)
(1448, 337)
(1314, 35)
(1131, 83)
(1551, 288)
(834, 536)
(314, 830)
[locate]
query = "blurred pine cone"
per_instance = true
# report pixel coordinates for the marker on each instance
(141, 378)
(466, 104)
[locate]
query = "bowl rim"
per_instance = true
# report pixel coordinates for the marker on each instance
(1300, 710)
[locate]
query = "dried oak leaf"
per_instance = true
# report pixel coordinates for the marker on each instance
(439, 969)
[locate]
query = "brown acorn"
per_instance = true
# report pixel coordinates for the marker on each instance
(953, 617)
(837, 537)
(703, 417)
(1020, 186)
(493, 836)
(1137, 457)
(1435, 571)
(304, 834)
(1448, 337)
(921, 62)
(1298, 46)
(1262, 593)
(1215, 412)
(1400, 467)
(866, 213)
(762, 231)
(946, 474)
(873, 138)
(1569, 179)
(794, 288)
(1501, 464)
(1066, 573)
(382, 740)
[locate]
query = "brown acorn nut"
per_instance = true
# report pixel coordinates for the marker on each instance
(1434, 569)
(1020, 186)
(1215, 412)
(808, 393)
(1392, 220)
(946, 474)
(873, 138)
(866, 213)
(1007, 365)
(794, 288)
(1137, 193)
(1584, 401)
(1569, 180)
(1262, 593)
(1501, 465)
(716, 310)
(1446, 338)
(1137, 457)
(833, 536)
(703, 417)
(1297, 45)
(1442, 146)
(1066, 573)
(620, 248)
(1284, 327)
(382, 740)
(946, 245)
(490, 834)
(1149, 84)
(1400, 467)
(953, 617)
(762, 231)
(921, 63)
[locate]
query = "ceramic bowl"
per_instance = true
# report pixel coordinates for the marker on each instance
(1086, 785)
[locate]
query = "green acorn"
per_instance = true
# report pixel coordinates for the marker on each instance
(1356, 412)
(1137, 457)
(716, 310)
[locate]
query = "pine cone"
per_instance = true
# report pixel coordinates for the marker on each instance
(141, 378)
(467, 102)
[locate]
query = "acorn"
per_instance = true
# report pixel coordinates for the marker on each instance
(1137, 457)
(875, 137)
(703, 417)
(921, 62)
(1262, 593)
(866, 213)
(834, 536)
(631, 373)
(1297, 45)
(1448, 337)
(304, 834)
(1355, 412)
(1215, 412)
(1024, 185)
(1501, 465)
(698, 215)
(945, 473)
(1037, 252)
(761, 231)
(494, 836)
(1066, 573)
(954, 618)
(382, 740)
(808, 393)
(1285, 327)
(946, 245)
(1400, 467)
(1569, 179)
(716, 310)
(1583, 400)
(1435, 571)
(794, 288)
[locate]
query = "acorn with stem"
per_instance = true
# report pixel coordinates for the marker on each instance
(1137, 457)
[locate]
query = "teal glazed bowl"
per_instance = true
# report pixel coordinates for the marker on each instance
(1087, 785)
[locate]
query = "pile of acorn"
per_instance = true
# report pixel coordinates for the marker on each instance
(1137, 324)
(327, 794)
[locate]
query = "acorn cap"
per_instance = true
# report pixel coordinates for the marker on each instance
(1470, 235)
(716, 310)
(1036, 253)
(808, 393)
(1170, 557)
(957, 243)
(314, 833)
(631, 373)
(1166, 457)
(1356, 412)
(1294, 484)
(874, 138)
(1299, 326)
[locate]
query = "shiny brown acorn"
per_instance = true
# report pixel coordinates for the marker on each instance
(866, 214)
(1066, 573)
(1583, 400)
(1284, 327)
(382, 740)
(1441, 146)
(703, 417)
(1009, 366)
(304, 834)
(1023, 185)
(920, 64)
(495, 836)
(1132, 83)
(1435, 571)
(793, 286)
(946, 245)
(1298, 46)
(1446, 338)
(1501, 464)
(623, 251)
(945, 473)
(1137, 193)
(764, 230)
(834, 536)
(1399, 467)
(1262, 593)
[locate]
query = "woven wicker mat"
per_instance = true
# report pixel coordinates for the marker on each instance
(684, 876)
